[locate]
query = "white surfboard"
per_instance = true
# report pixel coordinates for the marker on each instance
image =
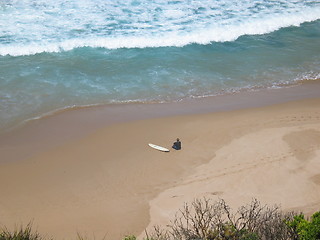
(163, 149)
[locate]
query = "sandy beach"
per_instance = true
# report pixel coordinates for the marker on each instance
(103, 180)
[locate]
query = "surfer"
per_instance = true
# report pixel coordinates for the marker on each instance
(177, 145)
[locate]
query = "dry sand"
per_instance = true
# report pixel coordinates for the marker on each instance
(110, 183)
(273, 155)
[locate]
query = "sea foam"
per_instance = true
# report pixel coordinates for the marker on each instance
(84, 53)
(56, 26)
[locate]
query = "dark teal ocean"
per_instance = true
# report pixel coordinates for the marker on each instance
(63, 54)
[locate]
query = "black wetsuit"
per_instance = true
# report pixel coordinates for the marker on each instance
(177, 145)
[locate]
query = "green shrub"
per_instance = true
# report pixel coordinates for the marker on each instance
(130, 237)
(306, 230)
(20, 234)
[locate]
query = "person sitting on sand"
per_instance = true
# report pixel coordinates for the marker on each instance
(177, 145)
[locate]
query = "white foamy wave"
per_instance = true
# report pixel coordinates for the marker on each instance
(225, 29)
(207, 36)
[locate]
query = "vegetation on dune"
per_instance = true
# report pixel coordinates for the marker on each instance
(206, 220)
(306, 229)
(203, 220)
(22, 233)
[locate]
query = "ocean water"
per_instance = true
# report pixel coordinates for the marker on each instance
(60, 54)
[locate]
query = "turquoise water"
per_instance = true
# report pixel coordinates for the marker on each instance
(61, 54)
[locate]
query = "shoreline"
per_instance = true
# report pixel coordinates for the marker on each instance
(103, 180)
(60, 127)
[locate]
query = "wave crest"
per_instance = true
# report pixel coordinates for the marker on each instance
(205, 36)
